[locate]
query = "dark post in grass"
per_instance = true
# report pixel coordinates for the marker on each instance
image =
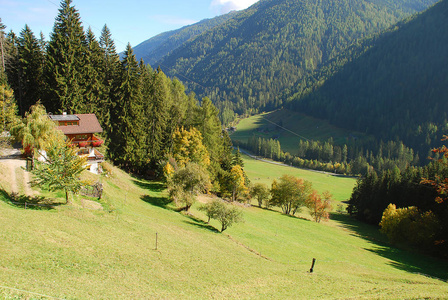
(156, 241)
(312, 265)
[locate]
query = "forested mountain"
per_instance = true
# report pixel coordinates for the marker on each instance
(250, 62)
(395, 88)
(157, 47)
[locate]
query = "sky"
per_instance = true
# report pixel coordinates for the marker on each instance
(130, 21)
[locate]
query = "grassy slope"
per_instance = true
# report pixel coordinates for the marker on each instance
(72, 252)
(296, 126)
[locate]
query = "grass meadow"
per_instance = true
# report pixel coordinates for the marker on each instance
(75, 252)
(294, 127)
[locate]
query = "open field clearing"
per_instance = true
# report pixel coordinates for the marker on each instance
(293, 127)
(82, 252)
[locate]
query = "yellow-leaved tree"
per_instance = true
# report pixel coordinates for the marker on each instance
(188, 147)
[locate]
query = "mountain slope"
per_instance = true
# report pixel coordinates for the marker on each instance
(396, 88)
(157, 47)
(251, 61)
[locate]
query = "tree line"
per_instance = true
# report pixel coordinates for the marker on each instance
(350, 159)
(406, 205)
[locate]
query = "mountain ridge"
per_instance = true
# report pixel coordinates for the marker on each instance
(249, 63)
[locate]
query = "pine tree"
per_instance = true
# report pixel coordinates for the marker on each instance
(65, 68)
(129, 129)
(31, 63)
(111, 63)
(94, 75)
(158, 117)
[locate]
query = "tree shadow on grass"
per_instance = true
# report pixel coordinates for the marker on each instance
(162, 202)
(152, 186)
(29, 202)
(401, 259)
(200, 223)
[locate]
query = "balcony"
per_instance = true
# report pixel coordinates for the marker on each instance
(88, 142)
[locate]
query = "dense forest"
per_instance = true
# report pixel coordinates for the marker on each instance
(251, 62)
(141, 110)
(392, 86)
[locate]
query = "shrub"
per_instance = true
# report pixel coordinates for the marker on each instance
(409, 225)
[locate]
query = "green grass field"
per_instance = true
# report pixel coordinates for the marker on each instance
(74, 252)
(295, 126)
(340, 187)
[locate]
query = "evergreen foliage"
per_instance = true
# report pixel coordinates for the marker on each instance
(251, 62)
(65, 70)
(391, 86)
(373, 194)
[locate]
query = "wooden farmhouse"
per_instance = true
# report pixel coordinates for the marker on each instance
(80, 129)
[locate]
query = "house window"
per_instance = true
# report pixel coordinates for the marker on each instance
(81, 137)
(83, 151)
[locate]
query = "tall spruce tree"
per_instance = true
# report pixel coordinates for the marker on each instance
(65, 68)
(158, 116)
(111, 63)
(31, 64)
(94, 74)
(128, 148)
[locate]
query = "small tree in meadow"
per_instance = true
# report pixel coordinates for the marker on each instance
(260, 191)
(186, 183)
(211, 209)
(60, 169)
(227, 215)
(290, 193)
(319, 206)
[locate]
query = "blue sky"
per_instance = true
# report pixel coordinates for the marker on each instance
(130, 21)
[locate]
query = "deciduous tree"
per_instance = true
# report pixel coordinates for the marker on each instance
(186, 183)
(318, 205)
(61, 167)
(290, 193)
(260, 191)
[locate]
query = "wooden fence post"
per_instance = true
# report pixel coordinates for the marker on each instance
(312, 265)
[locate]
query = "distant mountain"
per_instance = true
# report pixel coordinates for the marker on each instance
(253, 60)
(395, 88)
(157, 47)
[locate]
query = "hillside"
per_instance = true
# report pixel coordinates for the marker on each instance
(154, 49)
(289, 127)
(251, 61)
(81, 252)
(395, 88)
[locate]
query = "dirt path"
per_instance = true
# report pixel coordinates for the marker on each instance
(12, 167)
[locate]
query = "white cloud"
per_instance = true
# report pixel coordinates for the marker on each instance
(224, 6)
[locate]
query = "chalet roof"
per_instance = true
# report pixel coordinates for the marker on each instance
(64, 117)
(88, 123)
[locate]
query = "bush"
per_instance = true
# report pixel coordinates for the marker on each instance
(409, 225)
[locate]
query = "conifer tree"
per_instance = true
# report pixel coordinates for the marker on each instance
(129, 128)
(65, 68)
(31, 63)
(94, 75)
(158, 117)
(110, 69)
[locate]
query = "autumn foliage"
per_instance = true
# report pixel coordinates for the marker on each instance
(319, 206)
